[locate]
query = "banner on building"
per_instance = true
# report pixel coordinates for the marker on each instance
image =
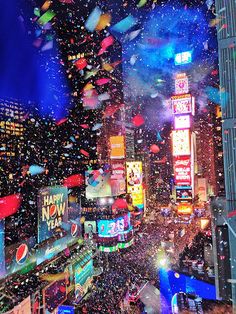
(134, 182)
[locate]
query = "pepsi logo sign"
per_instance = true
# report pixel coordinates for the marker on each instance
(53, 211)
(74, 230)
(22, 253)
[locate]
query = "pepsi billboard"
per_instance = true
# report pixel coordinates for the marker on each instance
(20, 256)
(2, 249)
(52, 211)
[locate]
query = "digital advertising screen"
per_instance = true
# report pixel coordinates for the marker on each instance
(2, 249)
(183, 58)
(98, 183)
(66, 309)
(83, 278)
(90, 226)
(114, 227)
(36, 302)
(185, 209)
(118, 183)
(181, 84)
(182, 170)
(54, 295)
(24, 307)
(183, 193)
(117, 147)
(21, 256)
(182, 122)
(181, 104)
(52, 210)
(181, 142)
(134, 182)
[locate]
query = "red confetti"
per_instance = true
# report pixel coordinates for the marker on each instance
(9, 205)
(154, 149)
(74, 180)
(84, 152)
(81, 63)
(61, 121)
(138, 120)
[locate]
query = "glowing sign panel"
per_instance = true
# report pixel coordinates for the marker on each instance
(182, 170)
(182, 122)
(183, 58)
(181, 143)
(181, 104)
(181, 85)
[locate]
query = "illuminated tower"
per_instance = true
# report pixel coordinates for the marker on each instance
(226, 13)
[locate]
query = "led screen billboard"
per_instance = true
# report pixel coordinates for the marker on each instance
(117, 147)
(183, 192)
(182, 122)
(114, 227)
(134, 182)
(181, 84)
(24, 307)
(182, 170)
(90, 227)
(181, 104)
(83, 278)
(20, 256)
(181, 142)
(118, 184)
(183, 58)
(98, 183)
(185, 209)
(52, 211)
(54, 295)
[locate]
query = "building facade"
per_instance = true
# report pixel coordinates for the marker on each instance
(226, 13)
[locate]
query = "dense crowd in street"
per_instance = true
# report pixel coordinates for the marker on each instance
(134, 266)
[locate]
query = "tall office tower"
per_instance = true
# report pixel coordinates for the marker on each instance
(226, 14)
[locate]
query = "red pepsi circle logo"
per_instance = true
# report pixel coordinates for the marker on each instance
(74, 230)
(53, 211)
(22, 254)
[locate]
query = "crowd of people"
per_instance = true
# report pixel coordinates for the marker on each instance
(134, 266)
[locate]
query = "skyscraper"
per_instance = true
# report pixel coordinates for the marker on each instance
(226, 13)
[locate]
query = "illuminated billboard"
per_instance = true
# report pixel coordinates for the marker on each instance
(181, 142)
(183, 192)
(182, 170)
(52, 210)
(98, 183)
(83, 277)
(202, 189)
(24, 307)
(117, 147)
(182, 122)
(114, 227)
(90, 227)
(183, 58)
(181, 104)
(134, 182)
(185, 209)
(181, 84)
(54, 295)
(118, 184)
(21, 256)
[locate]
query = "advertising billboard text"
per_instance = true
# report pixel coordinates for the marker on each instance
(118, 184)
(52, 210)
(182, 170)
(114, 227)
(117, 145)
(181, 142)
(181, 104)
(183, 192)
(54, 295)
